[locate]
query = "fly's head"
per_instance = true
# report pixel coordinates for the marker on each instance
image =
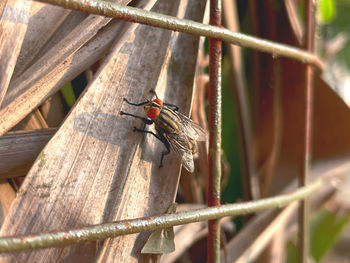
(152, 109)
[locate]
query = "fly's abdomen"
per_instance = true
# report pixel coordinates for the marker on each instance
(192, 146)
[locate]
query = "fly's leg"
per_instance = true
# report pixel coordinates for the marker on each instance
(135, 104)
(175, 108)
(145, 131)
(167, 146)
(162, 139)
(145, 120)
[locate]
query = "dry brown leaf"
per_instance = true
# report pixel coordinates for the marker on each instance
(294, 19)
(34, 120)
(43, 22)
(161, 241)
(36, 85)
(13, 25)
(53, 111)
(18, 150)
(95, 169)
(7, 195)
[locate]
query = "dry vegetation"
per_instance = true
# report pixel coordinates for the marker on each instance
(63, 169)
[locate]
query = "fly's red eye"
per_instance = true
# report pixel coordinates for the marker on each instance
(158, 101)
(152, 112)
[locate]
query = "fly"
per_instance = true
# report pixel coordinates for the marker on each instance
(174, 130)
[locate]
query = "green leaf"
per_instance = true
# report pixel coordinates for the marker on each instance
(326, 11)
(68, 94)
(230, 137)
(326, 228)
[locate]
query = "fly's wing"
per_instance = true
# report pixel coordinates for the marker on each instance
(179, 144)
(192, 129)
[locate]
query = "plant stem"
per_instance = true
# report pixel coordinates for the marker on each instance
(304, 210)
(250, 184)
(109, 230)
(215, 151)
(137, 15)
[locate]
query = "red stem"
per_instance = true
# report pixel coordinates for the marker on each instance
(215, 132)
(304, 221)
